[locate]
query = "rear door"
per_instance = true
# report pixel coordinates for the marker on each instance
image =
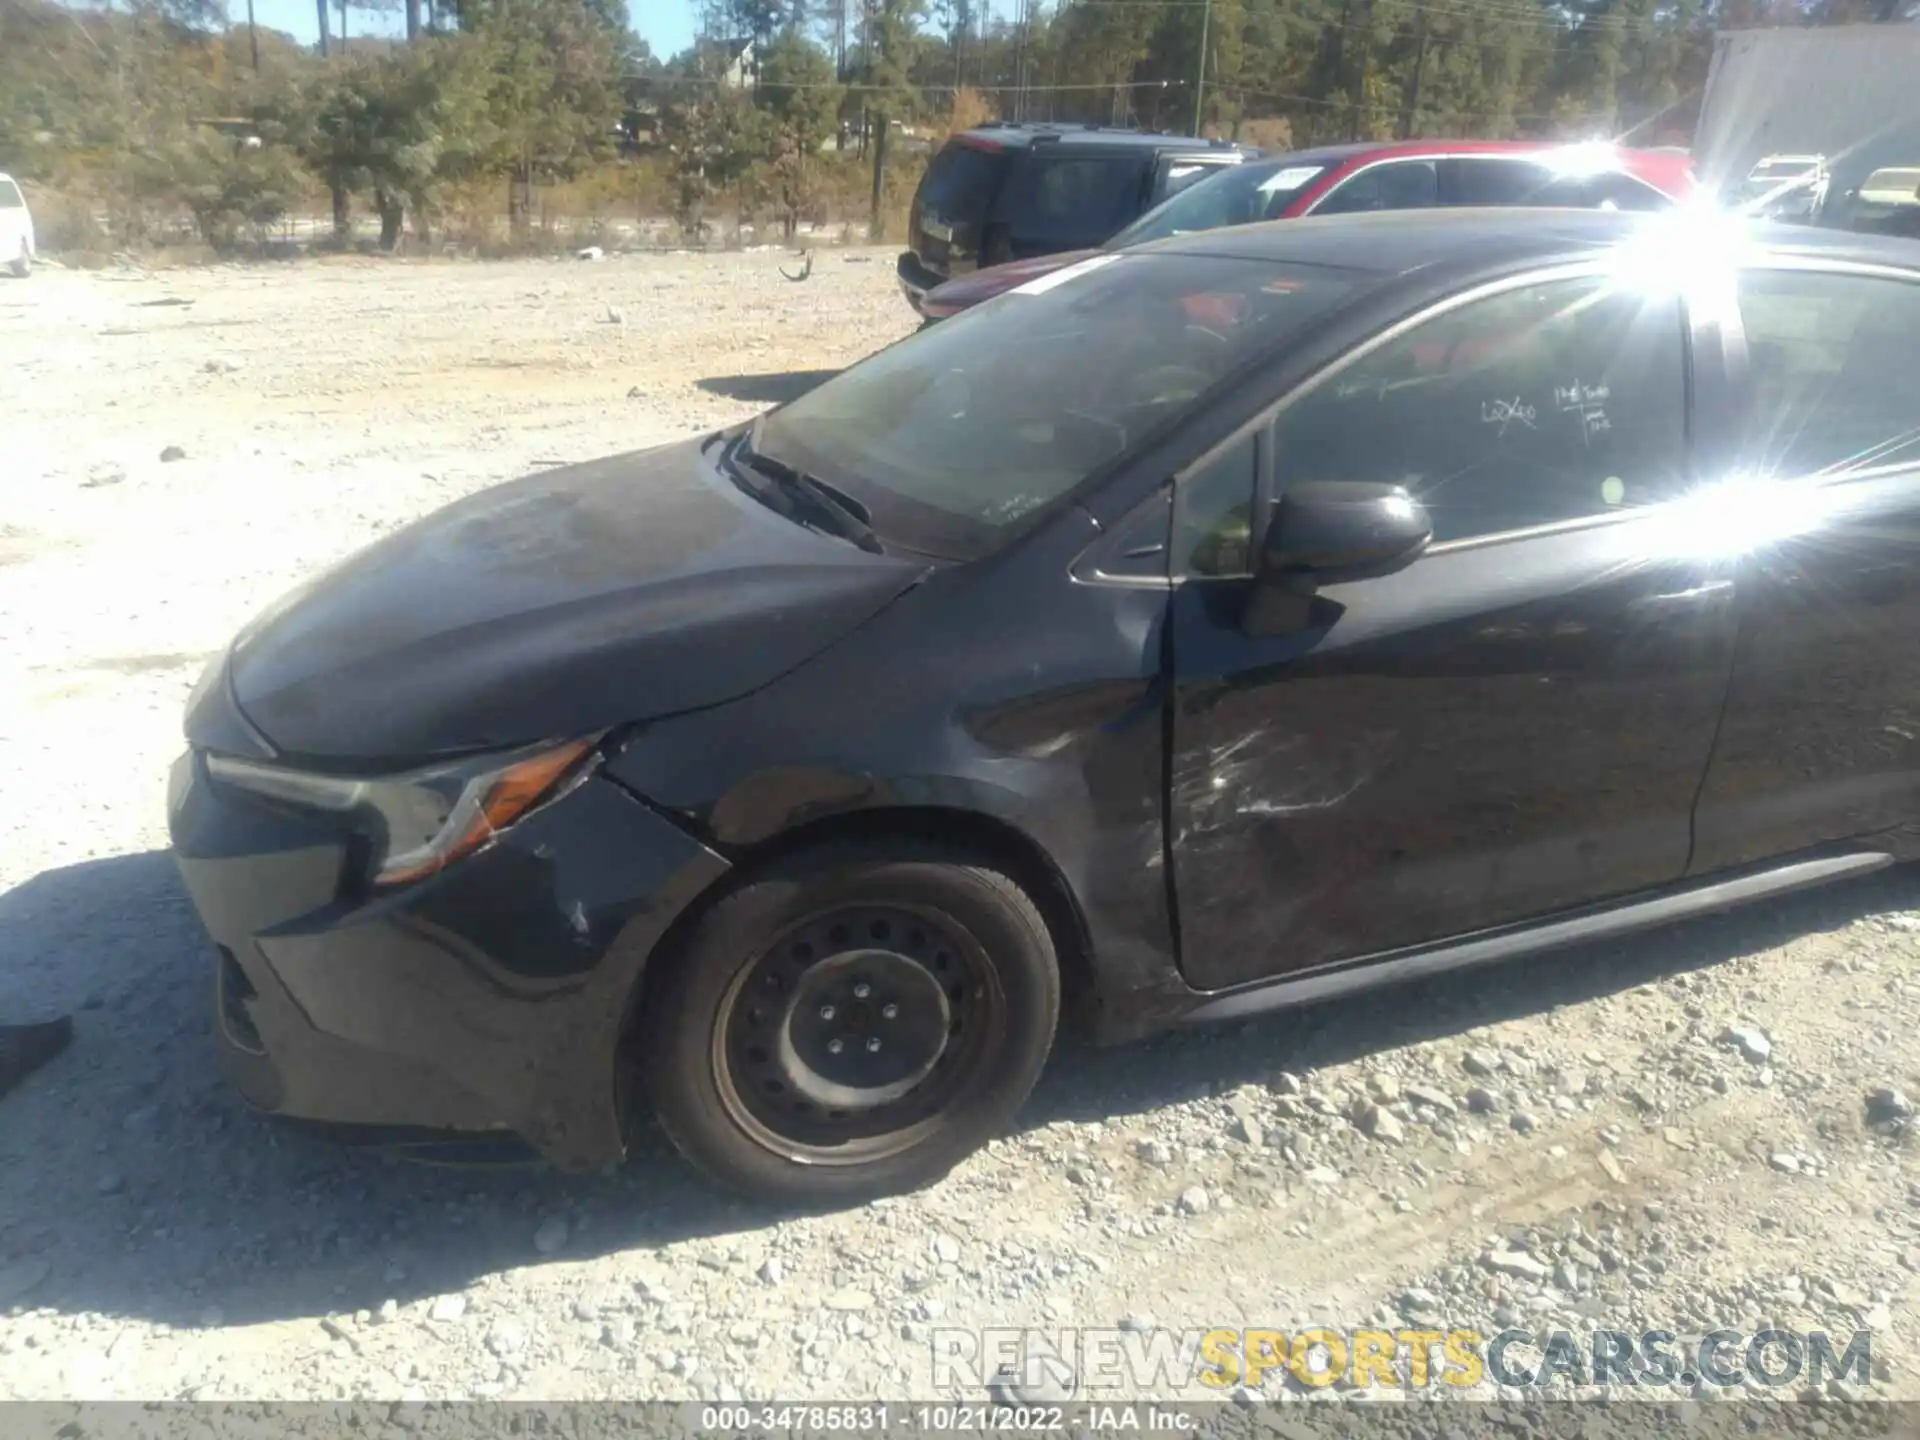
(1821, 740)
(1516, 724)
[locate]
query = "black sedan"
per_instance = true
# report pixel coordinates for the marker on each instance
(1196, 631)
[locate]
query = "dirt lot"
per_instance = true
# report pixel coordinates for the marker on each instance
(1669, 1134)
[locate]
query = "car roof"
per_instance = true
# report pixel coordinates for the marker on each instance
(1413, 149)
(1397, 242)
(1659, 167)
(1013, 136)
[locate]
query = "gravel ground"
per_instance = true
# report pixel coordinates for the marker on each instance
(1679, 1133)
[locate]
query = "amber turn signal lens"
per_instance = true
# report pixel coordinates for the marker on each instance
(490, 805)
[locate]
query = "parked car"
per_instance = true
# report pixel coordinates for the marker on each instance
(1887, 202)
(17, 249)
(1784, 187)
(1346, 179)
(1218, 626)
(1009, 192)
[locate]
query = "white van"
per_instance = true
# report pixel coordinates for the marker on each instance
(16, 229)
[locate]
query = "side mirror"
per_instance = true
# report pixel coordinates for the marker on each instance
(1323, 534)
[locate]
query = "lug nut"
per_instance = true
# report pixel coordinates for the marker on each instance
(834, 1047)
(826, 1012)
(873, 1044)
(862, 990)
(887, 1012)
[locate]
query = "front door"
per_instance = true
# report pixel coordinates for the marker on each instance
(1514, 725)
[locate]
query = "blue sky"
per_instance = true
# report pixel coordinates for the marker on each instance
(666, 25)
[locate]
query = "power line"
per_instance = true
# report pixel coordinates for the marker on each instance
(1418, 11)
(1537, 16)
(1395, 110)
(1102, 85)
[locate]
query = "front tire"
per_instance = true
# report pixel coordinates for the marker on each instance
(22, 265)
(851, 1022)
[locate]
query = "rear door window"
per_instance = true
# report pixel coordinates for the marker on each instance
(10, 196)
(1062, 202)
(1397, 185)
(1833, 358)
(1490, 180)
(1609, 190)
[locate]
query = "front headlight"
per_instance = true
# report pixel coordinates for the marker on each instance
(423, 820)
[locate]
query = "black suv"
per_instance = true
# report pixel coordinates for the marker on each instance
(1011, 191)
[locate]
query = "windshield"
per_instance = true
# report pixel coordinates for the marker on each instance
(1238, 196)
(953, 435)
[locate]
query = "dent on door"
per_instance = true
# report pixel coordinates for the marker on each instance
(1497, 733)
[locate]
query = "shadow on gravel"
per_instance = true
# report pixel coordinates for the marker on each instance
(774, 389)
(133, 1183)
(1089, 1084)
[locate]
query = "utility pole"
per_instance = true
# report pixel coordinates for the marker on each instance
(1339, 65)
(1200, 85)
(1410, 120)
(326, 26)
(1360, 79)
(253, 38)
(1020, 67)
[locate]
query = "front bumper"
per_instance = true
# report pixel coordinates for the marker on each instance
(487, 1000)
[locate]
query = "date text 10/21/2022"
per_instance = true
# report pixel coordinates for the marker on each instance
(942, 1418)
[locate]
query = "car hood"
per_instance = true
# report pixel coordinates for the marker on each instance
(982, 285)
(558, 605)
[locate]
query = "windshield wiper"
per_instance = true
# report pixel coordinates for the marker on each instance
(846, 516)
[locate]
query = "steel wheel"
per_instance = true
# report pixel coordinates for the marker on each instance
(852, 1033)
(850, 1020)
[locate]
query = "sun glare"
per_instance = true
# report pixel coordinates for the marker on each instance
(1692, 249)
(1737, 516)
